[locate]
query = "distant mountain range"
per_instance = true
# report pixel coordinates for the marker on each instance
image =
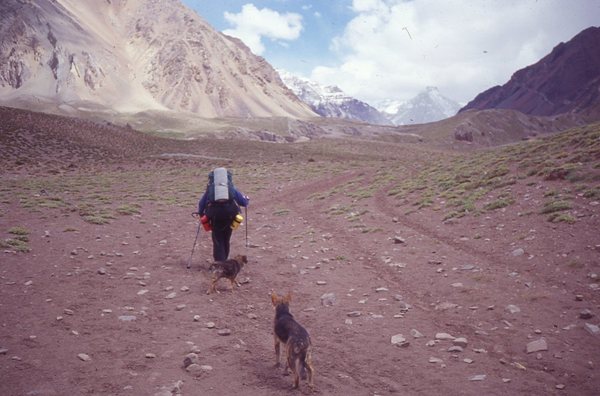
(428, 106)
(565, 81)
(135, 55)
(332, 102)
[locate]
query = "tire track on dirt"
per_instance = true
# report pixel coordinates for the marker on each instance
(352, 354)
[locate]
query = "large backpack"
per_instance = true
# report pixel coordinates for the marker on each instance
(220, 186)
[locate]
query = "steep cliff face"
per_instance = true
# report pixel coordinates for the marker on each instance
(133, 55)
(566, 80)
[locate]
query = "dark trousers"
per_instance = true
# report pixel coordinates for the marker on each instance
(221, 216)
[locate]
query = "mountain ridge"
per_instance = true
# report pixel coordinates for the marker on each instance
(132, 56)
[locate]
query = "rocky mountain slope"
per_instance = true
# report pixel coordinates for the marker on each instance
(132, 55)
(428, 106)
(566, 80)
(331, 101)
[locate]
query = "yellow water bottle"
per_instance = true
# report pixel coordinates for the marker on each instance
(237, 220)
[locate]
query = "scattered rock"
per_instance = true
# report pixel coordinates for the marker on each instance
(321, 282)
(578, 297)
(102, 271)
(142, 292)
(444, 337)
(416, 333)
(191, 358)
(518, 252)
(171, 295)
(180, 307)
(381, 289)
(399, 340)
(210, 325)
(150, 356)
(3, 351)
(537, 346)
(457, 285)
(224, 332)
(592, 328)
(467, 360)
(455, 348)
(328, 299)
(586, 314)
(435, 360)
(513, 309)
(445, 306)
(560, 386)
(196, 318)
(479, 377)
(460, 341)
(354, 314)
(84, 357)
(127, 318)
(399, 239)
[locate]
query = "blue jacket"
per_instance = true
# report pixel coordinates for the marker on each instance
(238, 197)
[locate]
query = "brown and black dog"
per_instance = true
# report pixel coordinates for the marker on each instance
(228, 269)
(295, 338)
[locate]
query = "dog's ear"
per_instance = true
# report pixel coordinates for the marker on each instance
(274, 298)
(288, 298)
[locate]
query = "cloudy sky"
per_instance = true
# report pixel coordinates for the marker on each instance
(392, 49)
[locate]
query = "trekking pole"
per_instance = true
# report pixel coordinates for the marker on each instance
(189, 264)
(246, 213)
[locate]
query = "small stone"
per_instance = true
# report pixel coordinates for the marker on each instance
(381, 289)
(592, 328)
(102, 271)
(127, 318)
(150, 356)
(460, 341)
(163, 242)
(416, 333)
(348, 322)
(252, 316)
(107, 311)
(206, 368)
(184, 288)
(435, 360)
(430, 343)
(84, 357)
(224, 332)
(191, 358)
(537, 346)
(579, 297)
(328, 299)
(468, 361)
(399, 340)
(180, 307)
(68, 311)
(479, 377)
(210, 325)
(196, 318)
(321, 282)
(518, 252)
(354, 314)
(28, 283)
(399, 239)
(171, 295)
(506, 380)
(586, 314)
(513, 309)
(444, 337)
(193, 368)
(445, 306)
(560, 386)
(455, 348)
(142, 292)
(3, 351)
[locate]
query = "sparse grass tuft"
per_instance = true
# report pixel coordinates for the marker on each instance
(556, 206)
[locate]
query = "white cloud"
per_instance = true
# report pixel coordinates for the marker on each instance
(395, 48)
(251, 25)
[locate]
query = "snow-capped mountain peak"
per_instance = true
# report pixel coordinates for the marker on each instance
(331, 101)
(428, 106)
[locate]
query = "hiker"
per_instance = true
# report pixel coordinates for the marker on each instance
(221, 203)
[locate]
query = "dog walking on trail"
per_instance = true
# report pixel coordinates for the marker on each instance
(219, 210)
